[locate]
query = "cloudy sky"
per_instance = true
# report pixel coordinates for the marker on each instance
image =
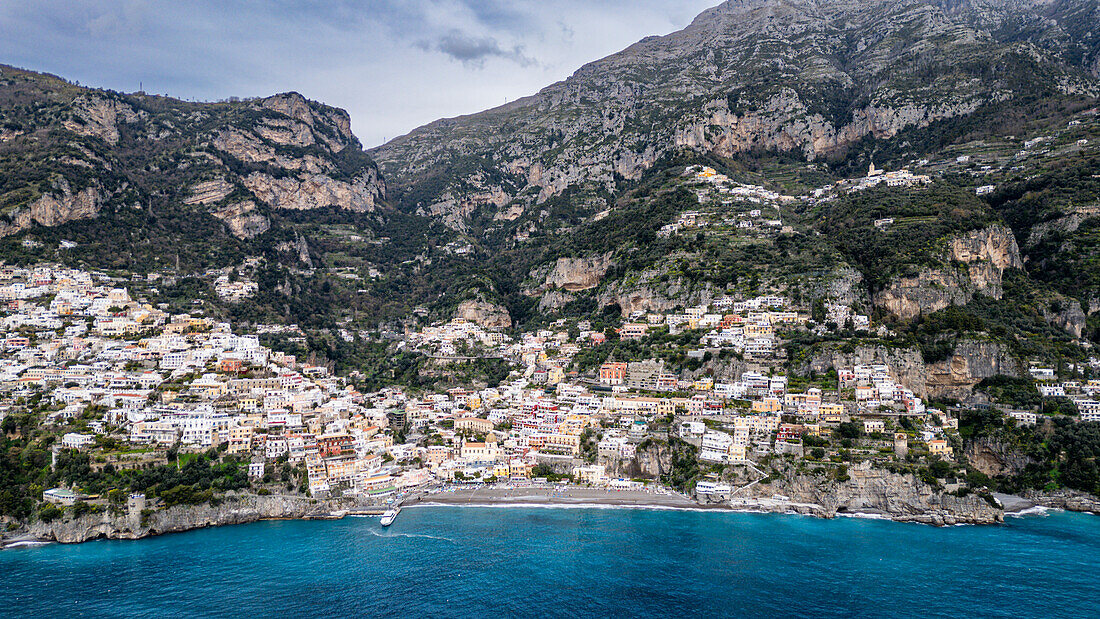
(394, 64)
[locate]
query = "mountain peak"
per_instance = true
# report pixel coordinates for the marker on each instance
(807, 77)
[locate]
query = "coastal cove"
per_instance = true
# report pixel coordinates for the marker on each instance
(455, 561)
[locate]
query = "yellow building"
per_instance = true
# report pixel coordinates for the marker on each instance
(575, 424)
(563, 444)
(240, 439)
(814, 429)
(519, 469)
(940, 447)
(758, 329)
(554, 375)
(474, 424)
(831, 413)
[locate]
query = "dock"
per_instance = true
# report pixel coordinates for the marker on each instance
(370, 510)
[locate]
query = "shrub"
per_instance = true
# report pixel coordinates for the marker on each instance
(49, 513)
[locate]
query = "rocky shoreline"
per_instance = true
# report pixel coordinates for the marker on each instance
(819, 500)
(875, 492)
(1069, 500)
(229, 509)
(944, 510)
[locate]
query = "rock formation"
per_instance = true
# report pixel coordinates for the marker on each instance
(230, 509)
(60, 205)
(93, 150)
(485, 314)
(901, 497)
(973, 360)
(975, 263)
(97, 115)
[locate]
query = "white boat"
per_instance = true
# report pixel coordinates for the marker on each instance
(389, 516)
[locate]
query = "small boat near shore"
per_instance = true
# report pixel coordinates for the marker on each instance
(390, 515)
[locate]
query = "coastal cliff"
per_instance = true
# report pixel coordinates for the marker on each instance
(869, 491)
(900, 497)
(230, 509)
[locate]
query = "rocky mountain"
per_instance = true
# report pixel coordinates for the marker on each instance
(69, 153)
(567, 205)
(815, 78)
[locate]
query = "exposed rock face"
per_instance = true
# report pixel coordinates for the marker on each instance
(980, 258)
(900, 497)
(784, 122)
(994, 457)
(297, 107)
(656, 298)
(255, 147)
(242, 219)
(311, 191)
(1070, 500)
(652, 460)
(485, 314)
(54, 208)
(99, 116)
(729, 369)
(315, 180)
(553, 300)
(567, 276)
(575, 274)
(1069, 317)
(121, 152)
(455, 207)
(234, 509)
(972, 361)
(906, 364)
(986, 254)
(209, 192)
(847, 288)
(746, 75)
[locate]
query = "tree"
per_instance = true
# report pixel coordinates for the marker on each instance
(939, 468)
(849, 430)
(817, 312)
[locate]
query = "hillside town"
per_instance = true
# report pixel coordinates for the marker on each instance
(129, 383)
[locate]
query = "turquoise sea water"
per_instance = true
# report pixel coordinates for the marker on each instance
(471, 561)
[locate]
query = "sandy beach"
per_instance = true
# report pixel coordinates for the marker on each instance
(559, 496)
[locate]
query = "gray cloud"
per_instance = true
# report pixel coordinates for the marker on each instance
(473, 50)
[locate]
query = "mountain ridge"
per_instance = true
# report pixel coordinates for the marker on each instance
(235, 161)
(616, 116)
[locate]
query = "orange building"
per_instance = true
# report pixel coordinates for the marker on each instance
(231, 366)
(613, 373)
